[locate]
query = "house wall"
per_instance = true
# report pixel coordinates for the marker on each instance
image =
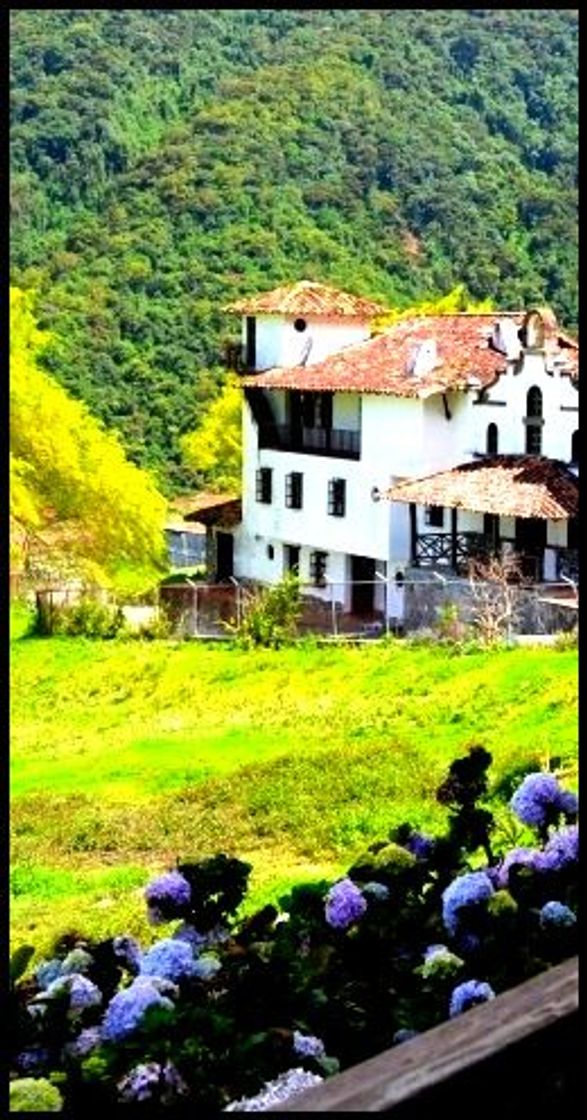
(559, 404)
(279, 344)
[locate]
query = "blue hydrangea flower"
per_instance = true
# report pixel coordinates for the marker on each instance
(149, 1081)
(404, 1035)
(77, 961)
(434, 950)
(206, 966)
(308, 1046)
(468, 994)
(518, 857)
(557, 914)
(169, 958)
(274, 1092)
(471, 889)
(128, 952)
(420, 845)
(537, 802)
(187, 932)
(82, 993)
(126, 1009)
(33, 1061)
(569, 803)
(167, 896)
(47, 972)
(345, 904)
(376, 890)
(562, 849)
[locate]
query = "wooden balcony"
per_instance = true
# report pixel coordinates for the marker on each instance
(455, 550)
(516, 1056)
(336, 443)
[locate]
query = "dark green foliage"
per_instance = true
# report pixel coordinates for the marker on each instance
(270, 615)
(218, 887)
(166, 161)
(87, 618)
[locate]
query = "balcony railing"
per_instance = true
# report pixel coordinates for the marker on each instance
(567, 564)
(339, 443)
(439, 548)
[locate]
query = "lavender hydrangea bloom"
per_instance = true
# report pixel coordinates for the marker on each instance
(468, 994)
(167, 896)
(86, 1041)
(47, 972)
(173, 960)
(126, 1009)
(562, 849)
(148, 1081)
(308, 1046)
(433, 951)
(33, 1061)
(471, 889)
(187, 932)
(537, 802)
(128, 952)
(569, 803)
(274, 1092)
(557, 914)
(344, 904)
(517, 857)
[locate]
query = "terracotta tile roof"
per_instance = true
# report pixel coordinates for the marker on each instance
(309, 298)
(508, 485)
(381, 364)
(220, 509)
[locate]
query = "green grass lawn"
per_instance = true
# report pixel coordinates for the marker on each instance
(125, 755)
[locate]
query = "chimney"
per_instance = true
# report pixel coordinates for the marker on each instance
(504, 338)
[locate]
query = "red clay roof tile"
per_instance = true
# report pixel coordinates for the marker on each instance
(508, 485)
(309, 298)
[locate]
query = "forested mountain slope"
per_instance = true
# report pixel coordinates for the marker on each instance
(165, 162)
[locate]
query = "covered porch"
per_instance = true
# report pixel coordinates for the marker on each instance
(502, 505)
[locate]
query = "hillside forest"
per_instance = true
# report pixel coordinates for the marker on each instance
(168, 161)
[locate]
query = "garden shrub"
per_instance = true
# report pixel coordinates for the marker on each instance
(87, 618)
(270, 615)
(233, 1013)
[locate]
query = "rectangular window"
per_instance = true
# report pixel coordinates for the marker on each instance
(292, 558)
(318, 568)
(337, 497)
(294, 490)
(263, 485)
(434, 515)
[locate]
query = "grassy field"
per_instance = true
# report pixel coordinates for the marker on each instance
(126, 755)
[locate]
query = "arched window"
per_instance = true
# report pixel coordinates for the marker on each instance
(492, 439)
(575, 447)
(534, 421)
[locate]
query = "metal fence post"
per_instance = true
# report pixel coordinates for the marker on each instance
(333, 608)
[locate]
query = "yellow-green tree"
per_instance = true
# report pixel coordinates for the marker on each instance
(454, 301)
(72, 486)
(214, 449)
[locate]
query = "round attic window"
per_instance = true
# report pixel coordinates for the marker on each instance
(300, 325)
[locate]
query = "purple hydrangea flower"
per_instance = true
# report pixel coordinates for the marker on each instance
(556, 914)
(173, 960)
(345, 904)
(569, 803)
(471, 889)
(86, 1041)
(167, 896)
(126, 1009)
(187, 932)
(562, 849)
(468, 994)
(128, 952)
(33, 1061)
(308, 1046)
(150, 1081)
(517, 857)
(537, 802)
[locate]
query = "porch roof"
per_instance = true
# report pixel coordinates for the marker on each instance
(506, 485)
(224, 509)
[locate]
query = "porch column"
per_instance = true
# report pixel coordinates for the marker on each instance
(413, 535)
(453, 537)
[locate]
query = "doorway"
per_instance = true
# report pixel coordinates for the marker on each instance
(224, 556)
(530, 545)
(363, 585)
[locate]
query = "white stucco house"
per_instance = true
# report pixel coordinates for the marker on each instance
(367, 456)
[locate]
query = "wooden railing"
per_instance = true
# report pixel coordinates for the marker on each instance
(516, 1056)
(339, 443)
(567, 564)
(434, 548)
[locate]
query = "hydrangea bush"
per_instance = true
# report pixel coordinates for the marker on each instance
(236, 1015)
